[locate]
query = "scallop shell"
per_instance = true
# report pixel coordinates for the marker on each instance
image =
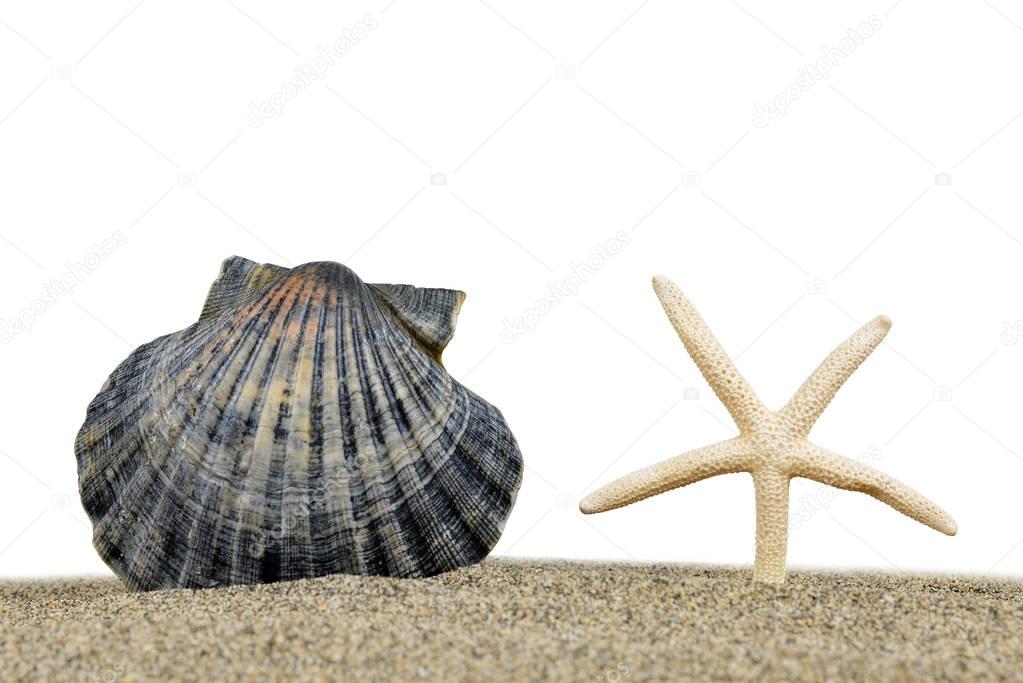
(304, 426)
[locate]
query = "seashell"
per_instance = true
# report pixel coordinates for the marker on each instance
(304, 426)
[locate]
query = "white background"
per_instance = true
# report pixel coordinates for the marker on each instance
(556, 126)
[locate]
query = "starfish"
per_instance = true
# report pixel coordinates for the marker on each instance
(772, 446)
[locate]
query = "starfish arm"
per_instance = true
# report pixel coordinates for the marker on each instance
(715, 365)
(721, 458)
(806, 406)
(772, 496)
(841, 472)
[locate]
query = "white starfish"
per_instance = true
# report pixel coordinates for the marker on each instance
(772, 446)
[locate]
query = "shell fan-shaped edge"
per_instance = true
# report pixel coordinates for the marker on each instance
(304, 426)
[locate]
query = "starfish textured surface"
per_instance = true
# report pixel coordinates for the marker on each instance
(772, 446)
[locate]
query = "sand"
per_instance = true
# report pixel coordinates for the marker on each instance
(516, 621)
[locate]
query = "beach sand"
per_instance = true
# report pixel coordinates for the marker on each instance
(522, 620)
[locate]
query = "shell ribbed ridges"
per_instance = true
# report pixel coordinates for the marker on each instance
(304, 426)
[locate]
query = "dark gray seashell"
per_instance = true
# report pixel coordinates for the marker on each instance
(304, 426)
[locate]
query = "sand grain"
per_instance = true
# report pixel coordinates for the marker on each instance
(522, 621)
